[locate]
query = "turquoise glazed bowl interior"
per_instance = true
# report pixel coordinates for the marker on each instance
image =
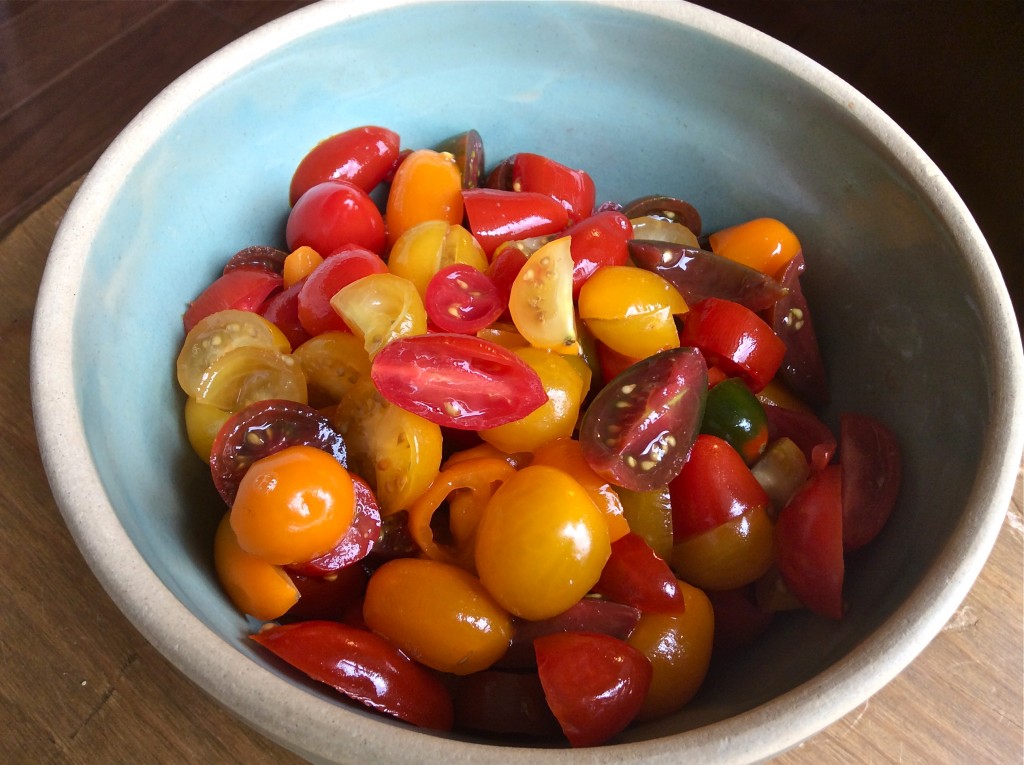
(666, 98)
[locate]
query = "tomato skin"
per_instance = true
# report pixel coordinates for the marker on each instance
(364, 667)
(734, 338)
(358, 541)
(427, 186)
(363, 156)
(458, 381)
(635, 575)
(257, 258)
(460, 298)
(594, 684)
(242, 289)
(638, 429)
(573, 189)
(282, 310)
(497, 216)
(809, 543)
(735, 415)
(598, 240)
(341, 268)
(333, 214)
(872, 473)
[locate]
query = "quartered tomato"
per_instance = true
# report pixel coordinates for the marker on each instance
(262, 429)
(659, 229)
(362, 156)
(345, 266)
(635, 575)
(594, 684)
(540, 301)
(598, 240)
(331, 362)
(458, 381)
(363, 666)
(461, 298)
(242, 289)
(639, 427)
(872, 472)
(497, 216)
(671, 209)
(573, 189)
(333, 214)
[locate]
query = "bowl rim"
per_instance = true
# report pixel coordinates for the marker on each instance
(300, 720)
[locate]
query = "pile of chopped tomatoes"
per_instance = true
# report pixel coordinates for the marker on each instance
(498, 458)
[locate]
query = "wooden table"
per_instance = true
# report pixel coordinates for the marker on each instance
(80, 685)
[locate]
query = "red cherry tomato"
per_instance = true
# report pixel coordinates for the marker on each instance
(327, 597)
(338, 270)
(262, 429)
(364, 667)
(282, 310)
(363, 156)
(497, 216)
(594, 684)
(599, 240)
(503, 270)
(638, 429)
(243, 289)
(458, 381)
(505, 703)
(635, 575)
(460, 298)
(358, 541)
(574, 189)
(714, 486)
(257, 258)
(809, 543)
(333, 214)
(739, 621)
(872, 472)
(734, 338)
(812, 435)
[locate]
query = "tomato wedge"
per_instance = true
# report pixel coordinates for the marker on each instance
(457, 381)
(808, 432)
(364, 667)
(599, 240)
(635, 575)
(594, 684)
(243, 289)
(262, 429)
(574, 189)
(872, 472)
(639, 427)
(497, 216)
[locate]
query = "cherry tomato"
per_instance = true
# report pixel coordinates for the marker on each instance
(293, 505)
(658, 229)
(739, 618)
(358, 541)
(764, 244)
(735, 415)
(363, 156)
(594, 684)
(458, 381)
(732, 554)
(809, 543)
(649, 514)
(330, 596)
(249, 374)
(505, 266)
(573, 189)
(468, 150)
(734, 338)
(679, 648)
(438, 614)
(333, 214)
(872, 472)
(282, 310)
(428, 247)
(635, 575)
(808, 432)
(243, 289)
(257, 258)
(202, 424)
(381, 308)
(331, 362)
(639, 427)
(460, 298)
(427, 186)
(598, 240)
(541, 544)
(781, 470)
(540, 301)
(670, 208)
(299, 264)
(504, 703)
(340, 269)
(497, 216)
(364, 667)
(256, 587)
(262, 429)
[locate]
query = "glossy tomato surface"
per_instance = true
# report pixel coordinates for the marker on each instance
(332, 214)
(363, 156)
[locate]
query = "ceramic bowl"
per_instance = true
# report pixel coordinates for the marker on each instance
(914, 320)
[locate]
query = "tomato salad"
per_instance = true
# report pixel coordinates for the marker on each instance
(501, 459)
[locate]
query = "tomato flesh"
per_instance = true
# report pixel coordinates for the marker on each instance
(460, 298)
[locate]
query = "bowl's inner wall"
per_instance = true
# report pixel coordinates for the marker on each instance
(644, 105)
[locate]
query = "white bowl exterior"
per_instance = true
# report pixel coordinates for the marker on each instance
(932, 347)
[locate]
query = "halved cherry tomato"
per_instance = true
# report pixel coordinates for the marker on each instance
(734, 338)
(249, 374)
(427, 186)
(671, 208)
(598, 240)
(243, 289)
(781, 470)
(504, 702)
(540, 301)
(635, 575)
(655, 228)
(343, 267)
(573, 189)
(808, 432)
(468, 150)
(331, 362)
(293, 505)
(364, 667)
(639, 427)
(363, 156)
(458, 381)
(506, 263)
(438, 614)
(202, 424)
(649, 514)
(262, 429)
(732, 554)
(256, 587)
(809, 543)
(333, 214)
(257, 258)
(358, 541)
(282, 310)
(460, 298)
(426, 248)
(872, 472)
(764, 244)
(594, 684)
(497, 216)
(381, 308)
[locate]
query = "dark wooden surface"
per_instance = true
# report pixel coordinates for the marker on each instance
(80, 685)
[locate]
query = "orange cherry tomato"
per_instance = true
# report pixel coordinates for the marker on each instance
(257, 588)
(427, 186)
(541, 544)
(764, 244)
(299, 264)
(293, 505)
(438, 614)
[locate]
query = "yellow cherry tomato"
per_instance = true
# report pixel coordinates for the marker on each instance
(202, 424)
(541, 544)
(438, 614)
(728, 556)
(659, 229)
(379, 308)
(679, 649)
(649, 514)
(764, 244)
(553, 419)
(257, 588)
(427, 186)
(293, 505)
(427, 247)
(332, 362)
(541, 303)
(250, 374)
